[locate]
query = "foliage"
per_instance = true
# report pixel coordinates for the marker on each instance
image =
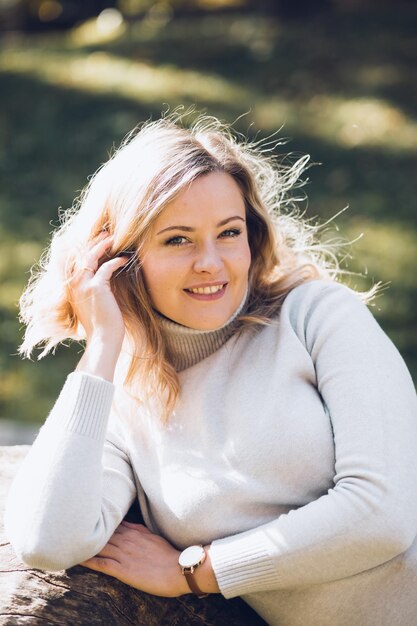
(342, 87)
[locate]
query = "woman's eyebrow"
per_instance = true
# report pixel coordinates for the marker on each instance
(229, 219)
(189, 229)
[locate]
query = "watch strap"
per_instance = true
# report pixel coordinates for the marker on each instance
(192, 583)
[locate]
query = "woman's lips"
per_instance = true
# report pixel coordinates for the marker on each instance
(199, 293)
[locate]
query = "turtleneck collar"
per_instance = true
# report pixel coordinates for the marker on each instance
(187, 346)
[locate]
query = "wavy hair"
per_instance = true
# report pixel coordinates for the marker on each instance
(153, 165)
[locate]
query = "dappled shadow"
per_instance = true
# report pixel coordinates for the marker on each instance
(342, 86)
(354, 54)
(53, 138)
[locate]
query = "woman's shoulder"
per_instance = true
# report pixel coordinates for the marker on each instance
(322, 304)
(320, 293)
(311, 290)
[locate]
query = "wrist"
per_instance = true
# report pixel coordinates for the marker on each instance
(205, 576)
(197, 571)
(100, 358)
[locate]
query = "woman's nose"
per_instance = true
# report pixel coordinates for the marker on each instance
(208, 259)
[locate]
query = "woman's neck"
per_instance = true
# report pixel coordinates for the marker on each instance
(188, 346)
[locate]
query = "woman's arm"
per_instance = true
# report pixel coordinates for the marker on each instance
(370, 515)
(148, 562)
(62, 507)
(75, 485)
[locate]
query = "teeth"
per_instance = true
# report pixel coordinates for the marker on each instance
(207, 290)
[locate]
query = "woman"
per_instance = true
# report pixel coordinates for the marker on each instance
(260, 415)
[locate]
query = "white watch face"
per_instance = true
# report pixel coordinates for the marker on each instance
(191, 556)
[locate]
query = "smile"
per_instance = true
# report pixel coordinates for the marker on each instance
(211, 292)
(207, 290)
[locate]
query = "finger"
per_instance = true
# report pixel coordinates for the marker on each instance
(107, 269)
(99, 237)
(88, 264)
(115, 542)
(139, 527)
(97, 251)
(111, 550)
(100, 564)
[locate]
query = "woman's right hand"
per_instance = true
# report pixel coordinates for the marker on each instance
(96, 308)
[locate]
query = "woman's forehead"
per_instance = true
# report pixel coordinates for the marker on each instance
(214, 196)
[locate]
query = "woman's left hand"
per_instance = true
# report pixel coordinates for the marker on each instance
(142, 560)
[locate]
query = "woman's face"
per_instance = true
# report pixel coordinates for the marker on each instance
(196, 260)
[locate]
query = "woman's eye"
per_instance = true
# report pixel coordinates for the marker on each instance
(231, 232)
(176, 241)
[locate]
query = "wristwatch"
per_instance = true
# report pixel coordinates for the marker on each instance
(189, 560)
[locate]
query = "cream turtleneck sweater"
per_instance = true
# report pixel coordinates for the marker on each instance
(292, 450)
(188, 346)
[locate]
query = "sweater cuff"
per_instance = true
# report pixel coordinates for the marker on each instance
(242, 564)
(83, 406)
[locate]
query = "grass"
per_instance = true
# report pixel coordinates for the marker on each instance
(341, 86)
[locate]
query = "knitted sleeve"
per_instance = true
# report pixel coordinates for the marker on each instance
(370, 514)
(75, 485)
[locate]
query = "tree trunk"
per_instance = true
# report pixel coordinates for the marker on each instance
(81, 597)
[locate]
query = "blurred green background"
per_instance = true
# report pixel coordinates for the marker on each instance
(339, 76)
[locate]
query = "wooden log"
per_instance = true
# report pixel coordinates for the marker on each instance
(81, 597)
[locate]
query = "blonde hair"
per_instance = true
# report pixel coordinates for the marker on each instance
(124, 197)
